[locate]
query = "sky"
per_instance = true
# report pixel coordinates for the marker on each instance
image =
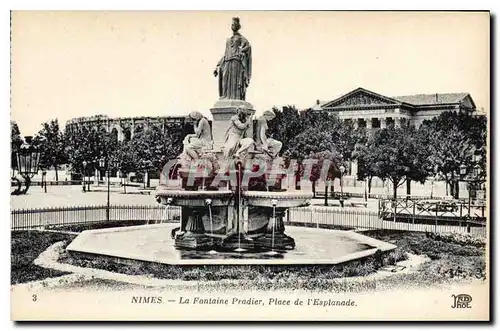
(157, 63)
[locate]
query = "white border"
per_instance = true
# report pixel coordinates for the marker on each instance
(191, 5)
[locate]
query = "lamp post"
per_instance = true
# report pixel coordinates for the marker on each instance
(366, 190)
(44, 180)
(342, 169)
(88, 179)
(105, 164)
(463, 173)
(28, 159)
(328, 183)
(84, 163)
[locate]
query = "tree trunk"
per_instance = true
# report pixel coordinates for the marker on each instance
(408, 187)
(451, 183)
(395, 188)
(370, 185)
(314, 188)
(457, 189)
(446, 184)
(57, 174)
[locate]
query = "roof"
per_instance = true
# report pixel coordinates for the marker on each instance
(432, 99)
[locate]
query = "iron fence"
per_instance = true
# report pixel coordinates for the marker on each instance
(63, 216)
(362, 219)
(425, 211)
(318, 216)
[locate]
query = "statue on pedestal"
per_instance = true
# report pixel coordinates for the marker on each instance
(234, 69)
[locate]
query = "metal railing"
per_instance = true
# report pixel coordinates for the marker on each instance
(63, 216)
(362, 219)
(316, 216)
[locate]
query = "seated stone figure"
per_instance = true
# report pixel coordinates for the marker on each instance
(235, 141)
(202, 129)
(268, 145)
(193, 150)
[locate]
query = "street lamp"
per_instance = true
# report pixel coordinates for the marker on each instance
(84, 163)
(328, 184)
(104, 163)
(44, 180)
(342, 169)
(27, 164)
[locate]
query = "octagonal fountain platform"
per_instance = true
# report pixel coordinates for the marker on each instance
(153, 243)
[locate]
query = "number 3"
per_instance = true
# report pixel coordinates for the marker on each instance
(34, 297)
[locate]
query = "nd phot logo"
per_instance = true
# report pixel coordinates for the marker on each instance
(461, 301)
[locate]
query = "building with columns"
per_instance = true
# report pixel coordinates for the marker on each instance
(372, 110)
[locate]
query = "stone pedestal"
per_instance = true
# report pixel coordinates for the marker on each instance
(193, 232)
(275, 237)
(222, 112)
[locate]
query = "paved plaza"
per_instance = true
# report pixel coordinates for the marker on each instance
(72, 195)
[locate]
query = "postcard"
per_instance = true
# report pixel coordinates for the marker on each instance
(250, 166)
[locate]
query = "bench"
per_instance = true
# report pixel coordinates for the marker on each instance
(359, 203)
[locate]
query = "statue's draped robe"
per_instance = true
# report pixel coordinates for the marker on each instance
(235, 68)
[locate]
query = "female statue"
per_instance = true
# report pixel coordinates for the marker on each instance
(267, 144)
(235, 140)
(235, 67)
(202, 129)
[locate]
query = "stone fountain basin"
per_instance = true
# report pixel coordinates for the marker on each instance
(283, 199)
(193, 198)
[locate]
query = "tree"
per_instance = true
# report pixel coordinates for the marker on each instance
(78, 148)
(393, 154)
(285, 126)
(15, 143)
(89, 144)
(366, 160)
(51, 144)
(125, 159)
(153, 148)
(312, 144)
(454, 140)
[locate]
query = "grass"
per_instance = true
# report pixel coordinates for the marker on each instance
(453, 257)
(233, 272)
(25, 248)
(98, 225)
(449, 260)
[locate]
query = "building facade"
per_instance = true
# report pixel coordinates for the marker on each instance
(125, 127)
(372, 110)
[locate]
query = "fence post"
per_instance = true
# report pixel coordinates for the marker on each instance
(436, 225)
(395, 209)
(414, 211)
(378, 206)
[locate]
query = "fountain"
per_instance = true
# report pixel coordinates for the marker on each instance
(233, 192)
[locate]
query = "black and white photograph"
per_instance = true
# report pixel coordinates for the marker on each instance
(250, 165)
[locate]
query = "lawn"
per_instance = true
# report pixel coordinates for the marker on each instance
(25, 248)
(452, 257)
